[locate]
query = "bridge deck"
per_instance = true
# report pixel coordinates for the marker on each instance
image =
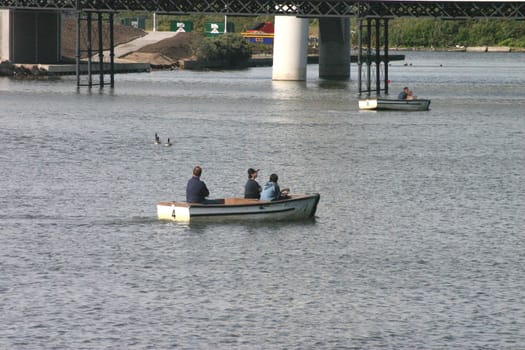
(308, 8)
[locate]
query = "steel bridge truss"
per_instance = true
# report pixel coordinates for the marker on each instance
(370, 62)
(310, 8)
(84, 30)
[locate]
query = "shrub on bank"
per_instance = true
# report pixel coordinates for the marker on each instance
(228, 50)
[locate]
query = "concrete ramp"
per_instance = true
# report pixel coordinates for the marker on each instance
(137, 44)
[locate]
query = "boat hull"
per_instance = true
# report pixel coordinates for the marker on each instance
(383, 104)
(298, 207)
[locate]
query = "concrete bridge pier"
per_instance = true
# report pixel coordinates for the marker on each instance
(30, 36)
(290, 48)
(334, 48)
(4, 35)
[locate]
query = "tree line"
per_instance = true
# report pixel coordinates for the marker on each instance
(434, 33)
(422, 32)
(231, 50)
(403, 32)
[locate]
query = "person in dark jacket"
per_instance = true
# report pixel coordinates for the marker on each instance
(196, 190)
(252, 189)
(403, 94)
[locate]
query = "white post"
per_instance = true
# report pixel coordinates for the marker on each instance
(154, 21)
(290, 48)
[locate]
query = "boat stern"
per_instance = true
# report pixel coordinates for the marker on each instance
(172, 211)
(368, 104)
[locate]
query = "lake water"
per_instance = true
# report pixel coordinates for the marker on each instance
(418, 241)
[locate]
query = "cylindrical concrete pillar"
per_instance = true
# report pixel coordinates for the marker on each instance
(5, 25)
(334, 48)
(290, 48)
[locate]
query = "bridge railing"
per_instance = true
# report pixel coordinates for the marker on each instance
(302, 8)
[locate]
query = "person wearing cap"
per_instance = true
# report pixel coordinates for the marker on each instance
(252, 189)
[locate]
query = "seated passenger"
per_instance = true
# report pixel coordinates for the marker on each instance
(272, 191)
(252, 189)
(403, 94)
(196, 190)
(410, 95)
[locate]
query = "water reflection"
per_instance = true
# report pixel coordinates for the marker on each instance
(334, 84)
(202, 225)
(288, 90)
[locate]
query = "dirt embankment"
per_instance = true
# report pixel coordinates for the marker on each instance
(121, 34)
(164, 53)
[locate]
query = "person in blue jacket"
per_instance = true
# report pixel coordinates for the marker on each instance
(271, 190)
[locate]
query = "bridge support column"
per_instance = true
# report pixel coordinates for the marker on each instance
(290, 48)
(30, 36)
(86, 50)
(369, 37)
(5, 52)
(334, 48)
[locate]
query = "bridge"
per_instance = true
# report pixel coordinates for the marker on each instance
(39, 20)
(300, 8)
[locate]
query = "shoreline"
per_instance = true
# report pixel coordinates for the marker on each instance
(36, 70)
(487, 49)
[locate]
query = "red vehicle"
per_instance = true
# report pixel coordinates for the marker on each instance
(261, 33)
(263, 27)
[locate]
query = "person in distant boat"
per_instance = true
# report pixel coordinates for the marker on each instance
(272, 191)
(157, 139)
(196, 190)
(406, 94)
(410, 95)
(168, 143)
(403, 94)
(252, 189)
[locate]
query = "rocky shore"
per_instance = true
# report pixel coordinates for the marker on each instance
(22, 71)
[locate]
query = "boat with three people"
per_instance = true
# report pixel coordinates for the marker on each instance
(294, 207)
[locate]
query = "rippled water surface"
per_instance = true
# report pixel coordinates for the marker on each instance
(418, 241)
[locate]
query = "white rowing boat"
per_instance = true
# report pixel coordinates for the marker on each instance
(296, 207)
(384, 104)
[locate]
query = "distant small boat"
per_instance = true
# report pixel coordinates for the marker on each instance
(297, 207)
(384, 104)
(157, 139)
(168, 143)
